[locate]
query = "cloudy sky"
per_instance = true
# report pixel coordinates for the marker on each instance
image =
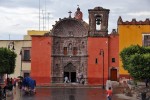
(18, 16)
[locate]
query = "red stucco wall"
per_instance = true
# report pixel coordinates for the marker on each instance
(114, 50)
(95, 71)
(41, 59)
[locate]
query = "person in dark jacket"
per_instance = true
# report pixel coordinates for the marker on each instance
(146, 82)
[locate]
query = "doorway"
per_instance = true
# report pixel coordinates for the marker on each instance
(113, 74)
(70, 72)
(71, 76)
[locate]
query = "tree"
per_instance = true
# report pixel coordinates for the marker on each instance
(7, 61)
(136, 60)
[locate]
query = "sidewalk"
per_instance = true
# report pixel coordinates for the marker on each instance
(69, 85)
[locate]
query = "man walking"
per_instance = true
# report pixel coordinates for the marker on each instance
(109, 93)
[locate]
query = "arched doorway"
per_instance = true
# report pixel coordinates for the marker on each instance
(113, 74)
(70, 72)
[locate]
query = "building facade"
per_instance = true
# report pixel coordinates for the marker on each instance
(23, 50)
(74, 48)
(132, 33)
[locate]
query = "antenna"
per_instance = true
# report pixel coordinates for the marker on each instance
(43, 19)
(48, 19)
(39, 15)
(45, 15)
(9, 37)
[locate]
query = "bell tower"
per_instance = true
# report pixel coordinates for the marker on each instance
(98, 22)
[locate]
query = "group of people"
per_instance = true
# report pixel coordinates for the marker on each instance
(27, 84)
(9, 84)
(80, 79)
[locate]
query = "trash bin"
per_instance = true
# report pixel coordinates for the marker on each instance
(143, 95)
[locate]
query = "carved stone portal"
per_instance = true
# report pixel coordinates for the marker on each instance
(69, 52)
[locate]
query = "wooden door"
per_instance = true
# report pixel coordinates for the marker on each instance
(113, 74)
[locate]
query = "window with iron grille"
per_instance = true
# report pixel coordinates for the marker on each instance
(146, 40)
(26, 55)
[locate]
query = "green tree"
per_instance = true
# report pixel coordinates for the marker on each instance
(7, 61)
(136, 60)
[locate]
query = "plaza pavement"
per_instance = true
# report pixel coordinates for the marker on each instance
(117, 91)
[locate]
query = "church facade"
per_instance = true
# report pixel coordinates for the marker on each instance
(74, 48)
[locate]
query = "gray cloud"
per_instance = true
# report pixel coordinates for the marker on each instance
(24, 3)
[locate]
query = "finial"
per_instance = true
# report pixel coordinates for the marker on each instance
(78, 8)
(69, 14)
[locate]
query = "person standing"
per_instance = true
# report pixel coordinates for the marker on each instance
(146, 82)
(66, 79)
(109, 93)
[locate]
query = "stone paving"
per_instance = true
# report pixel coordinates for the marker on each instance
(72, 91)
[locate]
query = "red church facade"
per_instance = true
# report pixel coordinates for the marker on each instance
(41, 59)
(74, 47)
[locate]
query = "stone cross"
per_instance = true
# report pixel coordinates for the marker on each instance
(69, 14)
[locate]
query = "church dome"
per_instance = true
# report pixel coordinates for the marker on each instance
(78, 14)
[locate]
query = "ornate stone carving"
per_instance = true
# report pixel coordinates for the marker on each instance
(73, 36)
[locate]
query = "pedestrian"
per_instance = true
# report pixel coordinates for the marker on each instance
(34, 86)
(1, 93)
(66, 79)
(109, 93)
(81, 78)
(146, 82)
(14, 82)
(78, 78)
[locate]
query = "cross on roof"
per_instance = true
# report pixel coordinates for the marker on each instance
(69, 14)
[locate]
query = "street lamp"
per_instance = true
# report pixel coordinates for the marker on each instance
(21, 62)
(11, 46)
(102, 54)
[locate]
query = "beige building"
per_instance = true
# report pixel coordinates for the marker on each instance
(22, 48)
(19, 46)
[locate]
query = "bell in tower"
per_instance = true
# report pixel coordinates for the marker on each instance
(98, 21)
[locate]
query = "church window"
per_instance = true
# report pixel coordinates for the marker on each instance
(96, 61)
(65, 50)
(98, 22)
(146, 40)
(113, 59)
(74, 50)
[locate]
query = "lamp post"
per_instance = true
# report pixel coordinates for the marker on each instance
(12, 48)
(102, 54)
(21, 62)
